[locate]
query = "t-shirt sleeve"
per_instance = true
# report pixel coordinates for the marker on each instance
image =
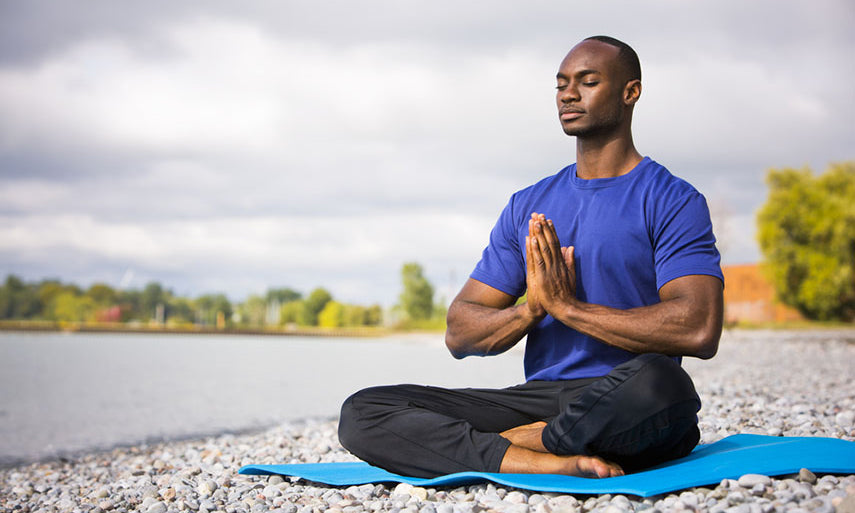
(684, 243)
(502, 265)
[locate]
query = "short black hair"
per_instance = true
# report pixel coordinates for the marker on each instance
(627, 56)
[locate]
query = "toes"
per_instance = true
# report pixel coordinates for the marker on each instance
(595, 467)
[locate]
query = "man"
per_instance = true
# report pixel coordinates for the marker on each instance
(618, 262)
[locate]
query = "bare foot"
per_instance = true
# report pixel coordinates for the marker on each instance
(594, 466)
(528, 436)
(520, 460)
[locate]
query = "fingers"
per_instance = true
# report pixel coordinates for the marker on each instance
(569, 254)
(543, 233)
(533, 247)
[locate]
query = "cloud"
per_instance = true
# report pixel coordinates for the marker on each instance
(277, 250)
(217, 147)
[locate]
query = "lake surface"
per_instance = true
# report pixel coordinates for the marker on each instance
(62, 393)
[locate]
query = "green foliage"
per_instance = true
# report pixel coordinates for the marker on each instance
(417, 295)
(152, 295)
(210, 305)
(102, 294)
(18, 300)
(283, 295)
(179, 311)
(70, 307)
(56, 301)
(313, 305)
(332, 316)
(373, 316)
(253, 311)
(357, 315)
(291, 312)
(806, 232)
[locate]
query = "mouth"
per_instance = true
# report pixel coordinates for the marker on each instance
(568, 114)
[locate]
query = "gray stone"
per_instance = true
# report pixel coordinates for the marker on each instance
(516, 498)
(157, 507)
(690, 499)
(806, 476)
(535, 499)
(751, 480)
(845, 419)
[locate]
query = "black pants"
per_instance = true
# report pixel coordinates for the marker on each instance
(642, 413)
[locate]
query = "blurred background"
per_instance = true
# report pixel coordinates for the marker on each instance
(306, 165)
(223, 148)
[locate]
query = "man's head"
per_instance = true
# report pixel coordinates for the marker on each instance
(599, 82)
(626, 56)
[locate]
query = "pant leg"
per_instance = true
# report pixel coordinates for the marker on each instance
(642, 413)
(427, 431)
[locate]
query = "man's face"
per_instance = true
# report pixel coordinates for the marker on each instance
(590, 90)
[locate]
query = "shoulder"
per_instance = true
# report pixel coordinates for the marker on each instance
(658, 178)
(665, 194)
(543, 187)
(670, 201)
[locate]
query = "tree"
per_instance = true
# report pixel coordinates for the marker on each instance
(70, 307)
(417, 296)
(292, 312)
(129, 301)
(373, 315)
(806, 232)
(332, 316)
(102, 294)
(313, 305)
(253, 311)
(152, 296)
(283, 295)
(180, 310)
(18, 300)
(210, 306)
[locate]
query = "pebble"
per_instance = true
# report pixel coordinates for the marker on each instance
(806, 476)
(752, 480)
(747, 387)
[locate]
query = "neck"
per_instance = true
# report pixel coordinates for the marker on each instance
(606, 157)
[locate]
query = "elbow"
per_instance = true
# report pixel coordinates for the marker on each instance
(706, 348)
(455, 344)
(708, 322)
(453, 341)
(705, 343)
(454, 347)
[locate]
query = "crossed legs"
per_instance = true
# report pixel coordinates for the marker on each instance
(640, 414)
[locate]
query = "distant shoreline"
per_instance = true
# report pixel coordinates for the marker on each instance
(149, 329)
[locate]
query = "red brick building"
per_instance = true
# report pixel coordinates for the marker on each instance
(749, 297)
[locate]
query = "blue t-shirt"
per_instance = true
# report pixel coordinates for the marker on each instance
(632, 234)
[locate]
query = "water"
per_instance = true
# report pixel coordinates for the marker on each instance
(62, 393)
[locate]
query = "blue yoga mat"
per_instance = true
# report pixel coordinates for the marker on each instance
(728, 458)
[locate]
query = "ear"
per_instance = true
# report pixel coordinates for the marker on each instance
(632, 92)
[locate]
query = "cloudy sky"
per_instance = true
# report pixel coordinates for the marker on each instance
(232, 146)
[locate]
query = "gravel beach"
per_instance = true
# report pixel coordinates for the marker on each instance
(766, 382)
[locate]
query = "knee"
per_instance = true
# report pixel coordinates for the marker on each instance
(348, 422)
(360, 412)
(658, 377)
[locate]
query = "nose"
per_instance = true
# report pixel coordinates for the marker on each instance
(568, 93)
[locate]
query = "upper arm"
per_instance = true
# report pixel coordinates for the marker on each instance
(699, 305)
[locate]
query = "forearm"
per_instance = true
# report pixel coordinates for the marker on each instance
(475, 329)
(676, 327)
